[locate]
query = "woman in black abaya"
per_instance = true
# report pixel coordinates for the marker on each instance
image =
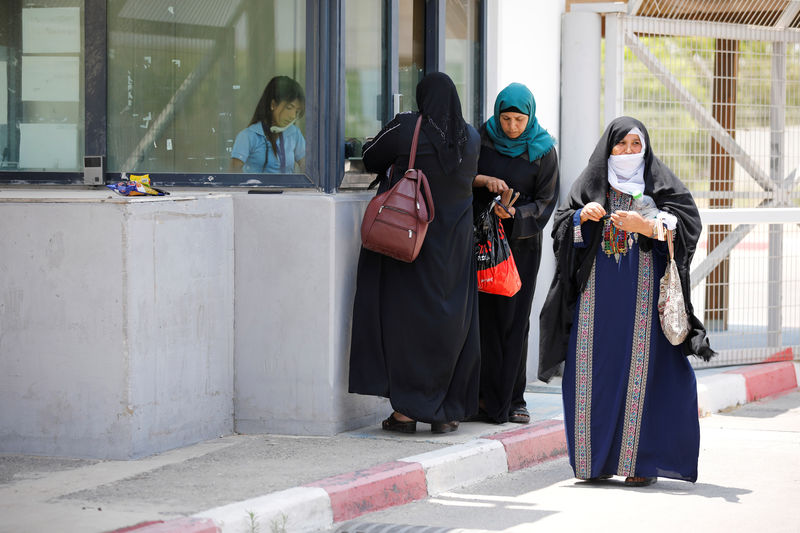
(516, 153)
(415, 333)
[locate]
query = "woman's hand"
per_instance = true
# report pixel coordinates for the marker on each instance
(592, 211)
(495, 185)
(507, 200)
(632, 222)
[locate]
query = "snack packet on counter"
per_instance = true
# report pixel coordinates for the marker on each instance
(138, 185)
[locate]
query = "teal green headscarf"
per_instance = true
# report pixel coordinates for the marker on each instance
(534, 139)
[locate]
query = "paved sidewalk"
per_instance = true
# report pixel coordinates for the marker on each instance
(281, 483)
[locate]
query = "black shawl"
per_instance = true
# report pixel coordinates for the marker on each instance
(573, 265)
(438, 102)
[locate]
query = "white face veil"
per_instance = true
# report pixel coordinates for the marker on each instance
(278, 129)
(626, 171)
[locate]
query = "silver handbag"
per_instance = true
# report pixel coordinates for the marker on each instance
(671, 307)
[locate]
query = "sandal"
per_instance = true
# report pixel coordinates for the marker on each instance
(393, 424)
(519, 415)
(640, 481)
(601, 477)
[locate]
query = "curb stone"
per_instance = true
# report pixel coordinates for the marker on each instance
(319, 505)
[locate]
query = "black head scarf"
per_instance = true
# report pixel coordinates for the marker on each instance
(573, 265)
(442, 122)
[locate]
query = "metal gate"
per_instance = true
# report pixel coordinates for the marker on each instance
(718, 86)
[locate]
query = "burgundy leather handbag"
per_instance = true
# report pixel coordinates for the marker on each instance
(396, 221)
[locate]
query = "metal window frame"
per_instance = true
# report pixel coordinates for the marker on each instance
(391, 64)
(483, 30)
(325, 96)
(323, 73)
(95, 61)
(435, 42)
(435, 35)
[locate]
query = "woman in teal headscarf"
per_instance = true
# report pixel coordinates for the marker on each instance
(517, 154)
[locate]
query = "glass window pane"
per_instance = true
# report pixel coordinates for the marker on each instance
(364, 73)
(462, 55)
(41, 85)
(186, 79)
(411, 48)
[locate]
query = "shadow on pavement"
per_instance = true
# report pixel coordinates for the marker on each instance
(670, 486)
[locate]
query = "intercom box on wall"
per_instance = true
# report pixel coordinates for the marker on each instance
(94, 170)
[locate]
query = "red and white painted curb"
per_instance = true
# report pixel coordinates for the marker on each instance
(744, 385)
(317, 506)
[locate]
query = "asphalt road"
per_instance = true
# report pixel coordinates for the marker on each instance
(749, 480)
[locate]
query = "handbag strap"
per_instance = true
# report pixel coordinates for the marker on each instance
(669, 245)
(421, 181)
(413, 157)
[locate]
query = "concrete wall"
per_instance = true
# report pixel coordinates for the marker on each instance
(116, 322)
(296, 257)
(130, 327)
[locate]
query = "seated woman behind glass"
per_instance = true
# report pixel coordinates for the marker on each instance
(272, 143)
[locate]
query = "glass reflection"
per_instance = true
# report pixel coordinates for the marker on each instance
(462, 54)
(272, 143)
(41, 90)
(411, 47)
(184, 78)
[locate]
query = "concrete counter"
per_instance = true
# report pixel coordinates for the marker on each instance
(131, 325)
(116, 320)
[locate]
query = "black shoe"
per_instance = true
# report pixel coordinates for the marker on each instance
(393, 424)
(601, 477)
(444, 427)
(519, 415)
(639, 481)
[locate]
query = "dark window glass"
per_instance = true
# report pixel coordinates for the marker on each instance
(186, 79)
(462, 54)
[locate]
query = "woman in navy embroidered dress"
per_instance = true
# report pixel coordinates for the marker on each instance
(630, 397)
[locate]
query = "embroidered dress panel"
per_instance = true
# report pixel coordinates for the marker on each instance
(615, 241)
(640, 358)
(583, 381)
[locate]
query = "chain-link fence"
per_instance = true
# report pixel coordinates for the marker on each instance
(718, 86)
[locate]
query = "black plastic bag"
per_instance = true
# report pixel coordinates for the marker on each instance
(497, 270)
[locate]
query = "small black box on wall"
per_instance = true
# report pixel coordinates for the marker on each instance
(94, 170)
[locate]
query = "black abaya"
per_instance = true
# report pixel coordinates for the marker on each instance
(415, 325)
(504, 321)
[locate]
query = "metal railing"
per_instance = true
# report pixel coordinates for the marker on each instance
(753, 315)
(720, 96)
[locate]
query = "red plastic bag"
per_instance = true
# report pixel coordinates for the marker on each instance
(497, 271)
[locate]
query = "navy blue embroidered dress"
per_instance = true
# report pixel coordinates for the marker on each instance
(630, 397)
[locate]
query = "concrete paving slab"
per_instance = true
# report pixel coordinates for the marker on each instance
(262, 472)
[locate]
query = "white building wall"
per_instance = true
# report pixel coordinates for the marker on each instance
(524, 45)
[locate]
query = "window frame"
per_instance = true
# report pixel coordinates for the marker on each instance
(325, 92)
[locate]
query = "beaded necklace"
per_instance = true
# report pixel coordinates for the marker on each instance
(616, 242)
